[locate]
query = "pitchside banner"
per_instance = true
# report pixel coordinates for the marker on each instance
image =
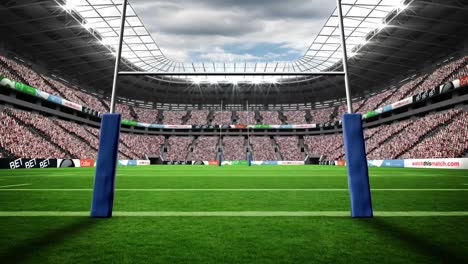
(461, 163)
(14, 164)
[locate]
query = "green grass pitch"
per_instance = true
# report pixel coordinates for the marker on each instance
(237, 214)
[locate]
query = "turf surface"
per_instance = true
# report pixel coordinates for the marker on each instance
(407, 228)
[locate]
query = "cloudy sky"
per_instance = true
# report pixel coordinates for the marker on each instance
(233, 30)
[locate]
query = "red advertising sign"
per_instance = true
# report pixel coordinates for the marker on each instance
(87, 163)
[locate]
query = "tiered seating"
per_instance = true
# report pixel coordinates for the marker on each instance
(331, 146)
(6, 73)
(439, 76)
(205, 148)
(262, 149)
(178, 148)
(402, 92)
(234, 148)
(59, 136)
(343, 108)
(21, 142)
(246, 117)
(289, 148)
(375, 100)
(198, 117)
(393, 148)
(222, 118)
(450, 142)
(270, 117)
(295, 117)
(76, 96)
(124, 110)
(142, 145)
(321, 115)
(460, 73)
(149, 116)
(173, 117)
(33, 79)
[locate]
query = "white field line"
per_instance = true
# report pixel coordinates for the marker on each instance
(230, 190)
(15, 185)
(232, 176)
(236, 214)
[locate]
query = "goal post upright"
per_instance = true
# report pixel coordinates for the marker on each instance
(106, 164)
(358, 179)
(355, 150)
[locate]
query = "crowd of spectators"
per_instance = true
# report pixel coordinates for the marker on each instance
(76, 96)
(6, 73)
(124, 110)
(321, 115)
(21, 142)
(374, 101)
(403, 91)
(149, 116)
(61, 137)
(330, 146)
(450, 142)
(410, 135)
(373, 141)
(222, 118)
(246, 117)
(440, 75)
(289, 148)
(205, 149)
(174, 117)
(233, 148)
(32, 78)
(178, 148)
(270, 117)
(142, 145)
(295, 117)
(198, 117)
(262, 149)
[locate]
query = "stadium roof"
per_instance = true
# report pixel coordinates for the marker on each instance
(55, 42)
(361, 17)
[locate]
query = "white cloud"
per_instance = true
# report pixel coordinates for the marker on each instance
(185, 27)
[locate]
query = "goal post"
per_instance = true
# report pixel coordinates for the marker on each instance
(356, 162)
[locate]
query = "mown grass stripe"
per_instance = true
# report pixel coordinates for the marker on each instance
(233, 190)
(15, 185)
(235, 214)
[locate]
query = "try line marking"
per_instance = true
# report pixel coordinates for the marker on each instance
(227, 190)
(15, 185)
(234, 214)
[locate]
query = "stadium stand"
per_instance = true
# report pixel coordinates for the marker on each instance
(410, 135)
(246, 117)
(270, 117)
(222, 118)
(330, 146)
(149, 116)
(142, 145)
(29, 76)
(198, 117)
(321, 115)
(205, 149)
(174, 117)
(50, 131)
(451, 141)
(233, 148)
(289, 148)
(178, 148)
(262, 149)
(21, 141)
(295, 117)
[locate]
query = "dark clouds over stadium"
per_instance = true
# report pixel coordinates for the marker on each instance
(233, 30)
